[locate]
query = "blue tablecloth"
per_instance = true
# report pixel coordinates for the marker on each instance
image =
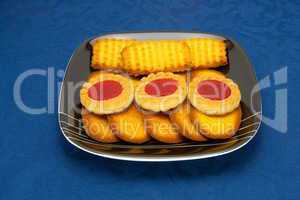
(37, 163)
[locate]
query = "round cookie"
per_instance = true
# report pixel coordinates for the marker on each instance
(97, 127)
(181, 117)
(106, 93)
(161, 91)
(205, 72)
(129, 125)
(217, 127)
(214, 94)
(160, 128)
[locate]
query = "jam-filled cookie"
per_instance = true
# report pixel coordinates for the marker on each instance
(106, 93)
(181, 118)
(214, 94)
(161, 91)
(218, 126)
(97, 127)
(160, 128)
(129, 125)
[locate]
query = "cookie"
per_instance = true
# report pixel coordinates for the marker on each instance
(106, 93)
(207, 52)
(214, 94)
(129, 125)
(97, 127)
(106, 53)
(217, 127)
(160, 128)
(181, 117)
(151, 56)
(161, 92)
(206, 72)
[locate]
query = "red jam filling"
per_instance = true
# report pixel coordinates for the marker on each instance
(161, 87)
(105, 90)
(213, 90)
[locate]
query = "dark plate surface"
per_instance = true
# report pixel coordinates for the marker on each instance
(78, 69)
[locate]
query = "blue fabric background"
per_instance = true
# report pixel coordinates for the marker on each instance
(36, 161)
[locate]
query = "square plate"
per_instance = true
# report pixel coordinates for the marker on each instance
(239, 69)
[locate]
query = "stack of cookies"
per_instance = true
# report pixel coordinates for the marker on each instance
(159, 89)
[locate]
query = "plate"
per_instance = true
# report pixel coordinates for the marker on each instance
(78, 69)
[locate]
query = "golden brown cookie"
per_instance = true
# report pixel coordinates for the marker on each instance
(205, 72)
(217, 127)
(181, 117)
(129, 125)
(152, 56)
(106, 93)
(214, 94)
(160, 128)
(97, 127)
(207, 52)
(107, 53)
(161, 91)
